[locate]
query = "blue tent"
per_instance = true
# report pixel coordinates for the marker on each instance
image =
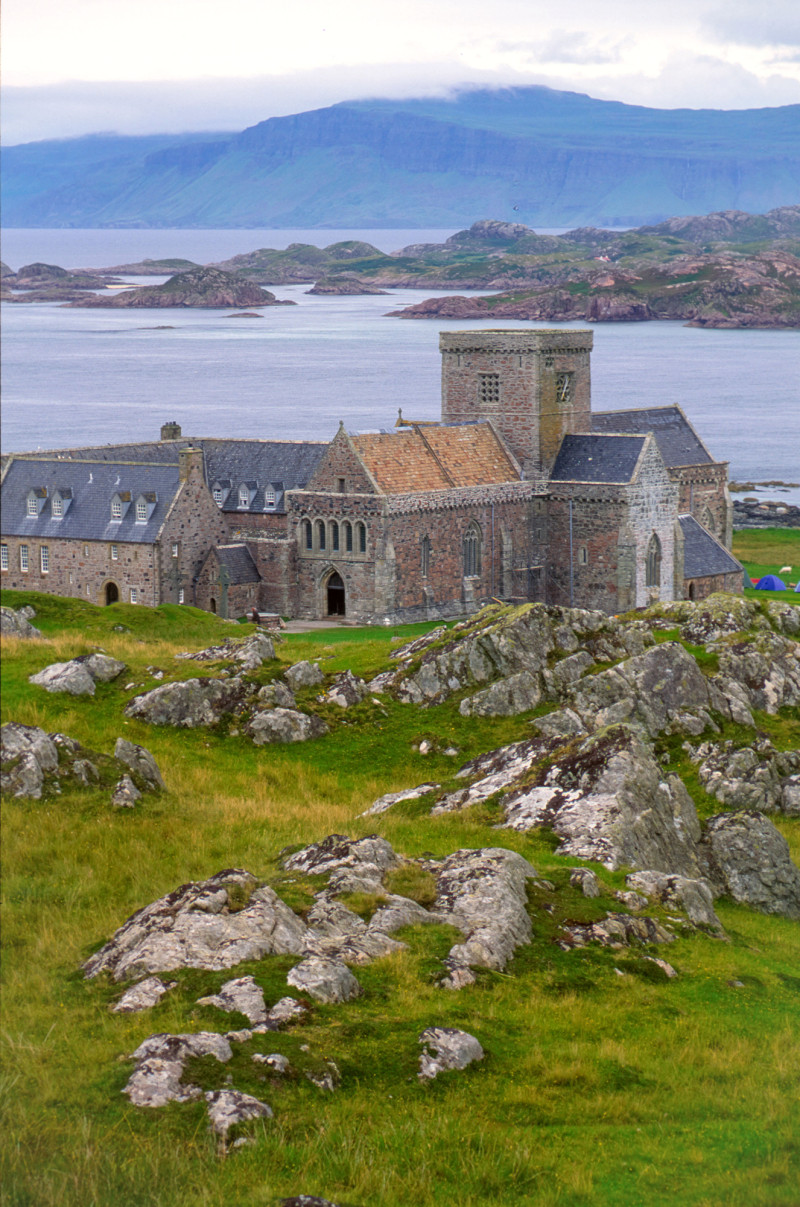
(770, 582)
(797, 588)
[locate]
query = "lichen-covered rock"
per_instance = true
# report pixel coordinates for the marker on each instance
(213, 924)
(347, 689)
(751, 777)
(156, 1080)
(143, 996)
(615, 930)
(693, 896)
(228, 1108)
(14, 624)
(286, 1010)
(79, 676)
(586, 881)
(303, 674)
(716, 616)
(27, 755)
(484, 893)
(126, 794)
(324, 980)
(338, 851)
(284, 725)
(141, 761)
(276, 695)
(767, 667)
(191, 704)
(394, 798)
(497, 769)
(750, 860)
(514, 694)
(242, 996)
(453, 1049)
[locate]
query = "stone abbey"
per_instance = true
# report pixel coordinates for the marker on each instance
(519, 493)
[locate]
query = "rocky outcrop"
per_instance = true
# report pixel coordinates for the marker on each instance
(346, 285)
(446, 1048)
(190, 704)
(751, 777)
(229, 1108)
(34, 762)
(303, 674)
(242, 996)
(694, 897)
(766, 513)
(251, 653)
(213, 924)
(143, 996)
(157, 1078)
(337, 851)
(615, 930)
(79, 676)
(284, 725)
(750, 860)
(347, 689)
(17, 624)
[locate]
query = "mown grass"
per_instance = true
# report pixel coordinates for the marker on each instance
(596, 1088)
(764, 551)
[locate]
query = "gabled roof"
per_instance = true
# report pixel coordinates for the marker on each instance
(238, 562)
(703, 554)
(595, 458)
(678, 442)
(93, 487)
(278, 465)
(435, 457)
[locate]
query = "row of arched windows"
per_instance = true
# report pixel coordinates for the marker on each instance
(333, 536)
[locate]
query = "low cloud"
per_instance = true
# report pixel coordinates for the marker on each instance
(565, 46)
(745, 24)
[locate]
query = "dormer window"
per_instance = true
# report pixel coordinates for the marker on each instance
(244, 495)
(116, 509)
(269, 497)
(33, 504)
(145, 506)
(220, 490)
(218, 496)
(57, 506)
(119, 504)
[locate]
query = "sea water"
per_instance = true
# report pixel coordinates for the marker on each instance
(74, 377)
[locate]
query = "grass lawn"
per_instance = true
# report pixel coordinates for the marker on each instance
(764, 551)
(596, 1088)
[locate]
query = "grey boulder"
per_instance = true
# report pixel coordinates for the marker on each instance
(142, 996)
(242, 996)
(446, 1048)
(126, 794)
(483, 892)
(750, 860)
(284, 725)
(15, 624)
(303, 674)
(324, 980)
(156, 1080)
(228, 1108)
(27, 756)
(191, 704)
(139, 760)
(347, 689)
(693, 896)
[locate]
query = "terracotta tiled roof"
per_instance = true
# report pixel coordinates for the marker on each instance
(435, 457)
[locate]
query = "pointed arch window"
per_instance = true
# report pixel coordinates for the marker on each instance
(334, 534)
(321, 534)
(308, 534)
(471, 548)
(348, 536)
(361, 530)
(652, 577)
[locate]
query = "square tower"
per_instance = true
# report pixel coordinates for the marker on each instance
(534, 386)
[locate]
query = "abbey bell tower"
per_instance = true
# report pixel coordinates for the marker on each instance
(534, 386)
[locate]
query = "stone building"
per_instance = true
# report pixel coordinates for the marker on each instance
(519, 493)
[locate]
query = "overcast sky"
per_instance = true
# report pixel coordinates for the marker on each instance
(149, 66)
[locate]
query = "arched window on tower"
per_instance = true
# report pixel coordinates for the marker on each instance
(361, 531)
(652, 571)
(334, 533)
(348, 536)
(308, 534)
(472, 551)
(320, 534)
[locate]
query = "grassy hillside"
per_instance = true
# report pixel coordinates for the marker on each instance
(597, 1088)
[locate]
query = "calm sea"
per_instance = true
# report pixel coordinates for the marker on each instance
(92, 376)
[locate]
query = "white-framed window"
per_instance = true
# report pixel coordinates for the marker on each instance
(114, 553)
(44, 558)
(244, 496)
(57, 505)
(141, 510)
(217, 496)
(3, 557)
(116, 509)
(175, 549)
(181, 596)
(23, 557)
(33, 506)
(269, 497)
(134, 594)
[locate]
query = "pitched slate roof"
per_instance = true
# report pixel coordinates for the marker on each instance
(277, 465)
(703, 554)
(435, 457)
(597, 458)
(238, 562)
(93, 486)
(678, 442)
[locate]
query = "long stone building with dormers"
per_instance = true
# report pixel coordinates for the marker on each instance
(519, 493)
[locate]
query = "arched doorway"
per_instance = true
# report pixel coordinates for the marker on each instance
(213, 605)
(112, 593)
(334, 592)
(692, 591)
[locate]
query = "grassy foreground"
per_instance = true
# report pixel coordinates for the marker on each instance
(764, 551)
(597, 1088)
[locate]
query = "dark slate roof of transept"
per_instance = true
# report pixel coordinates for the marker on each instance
(678, 442)
(703, 554)
(596, 458)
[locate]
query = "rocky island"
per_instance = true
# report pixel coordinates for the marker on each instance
(203, 288)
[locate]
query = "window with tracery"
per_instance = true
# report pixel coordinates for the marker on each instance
(652, 573)
(472, 551)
